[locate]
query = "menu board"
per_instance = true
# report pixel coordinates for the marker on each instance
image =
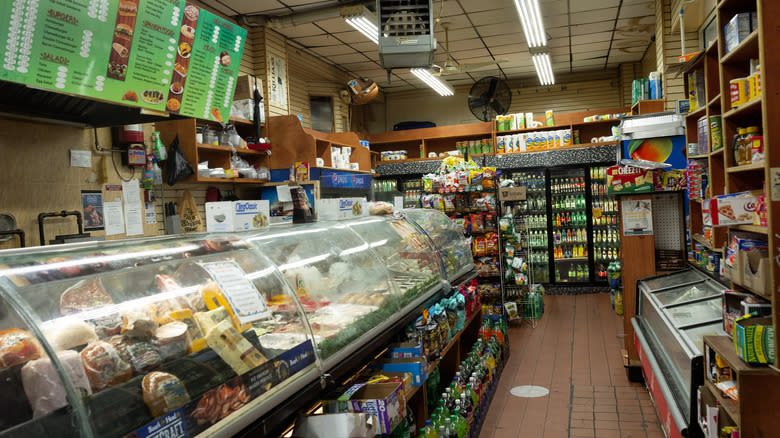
(165, 55)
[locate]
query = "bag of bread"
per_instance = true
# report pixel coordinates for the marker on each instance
(191, 221)
(163, 393)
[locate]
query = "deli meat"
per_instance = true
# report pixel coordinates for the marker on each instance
(17, 346)
(84, 295)
(104, 366)
(43, 386)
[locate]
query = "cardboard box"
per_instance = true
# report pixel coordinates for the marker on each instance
(383, 401)
(378, 376)
(250, 215)
(227, 216)
(340, 208)
(417, 366)
(754, 340)
(404, 349)
(737, 30)
(245, 87)
(733, 209)
(512, 193)
(219, 217)
(623, 180)
(348, 425)
(732, 309)
(755, 270)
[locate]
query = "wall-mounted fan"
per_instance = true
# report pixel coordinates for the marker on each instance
(489, 97)
(450, 66)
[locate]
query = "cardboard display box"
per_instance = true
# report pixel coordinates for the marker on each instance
(404, 349)
(416, 366)
(229, 216)
(754, 340)
(341, 208)
(512, 193)
(733, 209)
(623, 180)
(755, 270)
(732, 309)
(383, 401)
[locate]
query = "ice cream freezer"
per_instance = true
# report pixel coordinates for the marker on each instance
(203, 334)
(674, 312)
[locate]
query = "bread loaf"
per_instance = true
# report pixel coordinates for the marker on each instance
(163, 393)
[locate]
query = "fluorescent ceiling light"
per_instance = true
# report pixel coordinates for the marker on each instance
(432, 81)
(532, 22)
(363, 21)
(543, 68)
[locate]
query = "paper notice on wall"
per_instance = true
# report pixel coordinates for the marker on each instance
(149, 213)
(113, 217)
(242, 295)
(637, 217)
(134, 209)
(80, 158)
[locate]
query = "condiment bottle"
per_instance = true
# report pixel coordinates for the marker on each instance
(735, 153)
(747, 151)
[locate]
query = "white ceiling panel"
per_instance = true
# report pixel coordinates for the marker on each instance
(631, 44)
(557, 20)
(557, 32)
(485, 5)
(637, 10)
(368, 47)
(461, 45)
(588, 63)
(219, 7)
(271, 7)
(351, 37)
(595, 54)
(316, 41)
(558, 42)
(579, 6)
(590, 47)
(553, 7)
(335, 25)
(469, 54)
(585, 29)
(508, 38)
(647, 20)
(495, 16)
(591, 38)
(446, 8)
(304, 30)
(500, 51)
(455, 22)
(492, 29)
(559, 51)
(353, 57)
(306, 3)
(328, 51)
(594, 16)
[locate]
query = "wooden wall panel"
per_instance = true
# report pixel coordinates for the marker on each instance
(648, 63)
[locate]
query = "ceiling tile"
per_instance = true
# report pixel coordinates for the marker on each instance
(366, 47)
(494, 16)
(591, 38)
(446, 9)
(508, 49)
(517, 61)
(595, 54)
(353, 57)
(306, 3)
(255, 7)
(491, 30)
(455, 22)
(635, 49)
(590, 47)
(579, 6)
(584, 29)
(559, 51)
(553, 7)
(304, 30)
(461, 45)
(557, 32)
(335, 25)
(484, 5)
(647, 20)
(587, 63)
(558, 42)
(636, 44)
(351, 37)
(637, 10)
(594, 16)
(557, 20)
(465, 33)
(508, 38)
(518, 70)
(220, 7)
(468, 54)
(328, 51)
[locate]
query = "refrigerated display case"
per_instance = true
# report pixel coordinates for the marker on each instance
(199, 334)
(531, 216)
(674, 312)
(604, 224)
(447, 238)
(569, 205)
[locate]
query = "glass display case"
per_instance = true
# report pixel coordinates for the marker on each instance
(604, 223)
(447, 238)
(674, 312)
(569, 225)
(198, 334)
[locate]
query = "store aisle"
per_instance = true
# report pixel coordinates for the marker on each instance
(574, 352)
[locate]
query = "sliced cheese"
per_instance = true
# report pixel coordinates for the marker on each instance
(233, 348)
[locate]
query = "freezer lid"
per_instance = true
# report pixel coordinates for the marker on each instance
(695, 313)
(695, 335)
(672, 280)
(688, 293)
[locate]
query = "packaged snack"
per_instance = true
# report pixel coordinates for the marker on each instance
(477, 223)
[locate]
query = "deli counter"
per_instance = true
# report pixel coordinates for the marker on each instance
(204, 334)
(674, 313)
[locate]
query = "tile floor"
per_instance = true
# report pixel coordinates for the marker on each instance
(574, 351)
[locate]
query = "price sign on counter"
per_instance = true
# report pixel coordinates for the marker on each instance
(166, 55)
(244, 298)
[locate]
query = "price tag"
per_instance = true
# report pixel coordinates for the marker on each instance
(244, 298)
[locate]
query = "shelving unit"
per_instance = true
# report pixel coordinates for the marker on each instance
(759, 391)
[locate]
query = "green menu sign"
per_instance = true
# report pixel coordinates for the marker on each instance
(165, 55)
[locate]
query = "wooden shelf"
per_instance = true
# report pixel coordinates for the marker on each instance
(574, 146)
(611, 121)
(745, 168)
(714, 101)
(746, 50)
(210, 147)
(231, 180)
(751, 228)
(724, 346)
(344, 170)
(240, 121)
(717, 151)
(700, 239)
(729, 405)
(697, 113)
(696, 157)
(712, 48)
(751, 108)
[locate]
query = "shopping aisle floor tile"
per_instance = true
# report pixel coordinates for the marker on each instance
(574, 351)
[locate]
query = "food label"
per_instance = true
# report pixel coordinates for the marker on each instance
(245, 300)
(170, 425)
(166, 55)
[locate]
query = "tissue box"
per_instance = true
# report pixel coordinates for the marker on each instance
(754, 340)
(341, 208)
(219, 217)
(383, 401)
(250, 215)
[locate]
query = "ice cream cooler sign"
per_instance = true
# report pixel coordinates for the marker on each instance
(165, 55)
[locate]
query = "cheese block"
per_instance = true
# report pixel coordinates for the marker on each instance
(43, 386)
(215, 299)
(163, 393)
(68, 333)
(17, 346)
(140, 323)
(84, 295)
(233, 348)
(209, 320)
(194, 333)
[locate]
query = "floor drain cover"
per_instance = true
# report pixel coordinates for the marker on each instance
(529, 391)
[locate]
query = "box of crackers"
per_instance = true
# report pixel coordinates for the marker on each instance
(625, 180)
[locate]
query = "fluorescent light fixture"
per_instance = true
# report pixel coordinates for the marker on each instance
(543, 68)
(362, 20)
(432, 81)
(532, 22)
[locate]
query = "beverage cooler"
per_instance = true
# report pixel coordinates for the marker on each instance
(572, 223)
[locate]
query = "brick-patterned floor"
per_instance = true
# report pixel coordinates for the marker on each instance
(574, 351)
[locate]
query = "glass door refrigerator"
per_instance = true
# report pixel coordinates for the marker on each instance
(569, 204)
(604, 223)
(534, 213)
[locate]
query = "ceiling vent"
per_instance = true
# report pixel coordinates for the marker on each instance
(405, 33)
